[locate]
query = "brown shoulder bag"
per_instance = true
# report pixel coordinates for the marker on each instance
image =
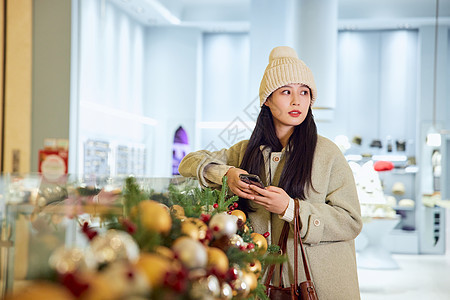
(306, 289)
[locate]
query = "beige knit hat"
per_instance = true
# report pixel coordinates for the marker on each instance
(285, 68)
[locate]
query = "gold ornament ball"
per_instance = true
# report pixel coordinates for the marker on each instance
(236, 240)
(226, 292)
(154, 216)
(114, 282)
(189, 229)
(240, 214)
(223, 225)
(42, 290)
(191, 252)
(164, 252)
(206, 288)
(202, 227)
(154, 267)
(68, 260)
(194, 228)
(178, 211)
(217, 259)
(255, 267)
(99, 288)
(114, 245)
(260, 241)
(250, 279)
(240, 288)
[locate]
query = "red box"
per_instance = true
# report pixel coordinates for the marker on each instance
(53, 163)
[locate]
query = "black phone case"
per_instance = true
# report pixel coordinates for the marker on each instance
(252, 179)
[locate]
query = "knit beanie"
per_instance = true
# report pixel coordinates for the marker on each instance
(285, 68)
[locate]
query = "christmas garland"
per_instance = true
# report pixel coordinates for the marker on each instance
(188, 243)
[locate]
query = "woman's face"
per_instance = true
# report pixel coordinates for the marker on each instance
(289, 106)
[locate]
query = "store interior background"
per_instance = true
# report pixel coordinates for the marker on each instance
(129, 73)
(119, 77)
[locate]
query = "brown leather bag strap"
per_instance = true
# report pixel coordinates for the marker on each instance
(282, 244)
(296, 238)
(297, 233)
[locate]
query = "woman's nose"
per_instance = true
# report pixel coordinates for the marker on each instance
(296, 100)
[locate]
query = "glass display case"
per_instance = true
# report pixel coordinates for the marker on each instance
(39, 216)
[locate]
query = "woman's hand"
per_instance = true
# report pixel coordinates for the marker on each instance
(237, 186)
(272, 198)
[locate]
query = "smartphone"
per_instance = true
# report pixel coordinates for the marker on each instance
(252, 179)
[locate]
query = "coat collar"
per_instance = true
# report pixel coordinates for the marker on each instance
(272, 169)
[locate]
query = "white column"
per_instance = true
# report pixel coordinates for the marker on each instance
(313, 30)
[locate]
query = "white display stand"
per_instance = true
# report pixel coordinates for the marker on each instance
(376, 254)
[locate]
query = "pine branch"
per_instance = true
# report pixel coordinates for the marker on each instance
(259, 293)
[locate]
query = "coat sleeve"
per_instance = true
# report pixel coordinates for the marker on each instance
(332, 212)
(209, 167)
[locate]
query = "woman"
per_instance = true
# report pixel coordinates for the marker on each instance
(293, 162)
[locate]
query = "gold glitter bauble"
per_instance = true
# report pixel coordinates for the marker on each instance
(154, 216)
(164, 252)
(240, 214)
(217, 259)
(154, 267)
(177, 211)
(251, 279)
(255, 267)
(260, 241)
(240, 288)
(189, 229)
(226, 292)
(236, 240)
(194, 228)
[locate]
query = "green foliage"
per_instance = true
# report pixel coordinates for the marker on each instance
(132, 195)
(195, 202)
(259, 293)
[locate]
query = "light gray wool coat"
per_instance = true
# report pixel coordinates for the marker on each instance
(330, 215)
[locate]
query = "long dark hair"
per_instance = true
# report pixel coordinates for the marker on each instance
(296, 175)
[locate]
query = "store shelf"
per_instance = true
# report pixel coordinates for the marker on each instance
(404, 208)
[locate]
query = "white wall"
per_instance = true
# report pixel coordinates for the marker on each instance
(171, 90)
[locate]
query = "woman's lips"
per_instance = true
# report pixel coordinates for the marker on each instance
(295, 113)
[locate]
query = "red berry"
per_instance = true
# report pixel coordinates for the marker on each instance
(235, 204)
(130, 275)
(216, 205)
(266, 235)
(232, 274)
(208, 235)
(205, 218)
(130, 227)
(229, 212)
(250, 246)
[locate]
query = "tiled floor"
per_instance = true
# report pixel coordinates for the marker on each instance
(418, 277)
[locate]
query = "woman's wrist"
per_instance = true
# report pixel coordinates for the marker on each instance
(288, 214)
(231, 167)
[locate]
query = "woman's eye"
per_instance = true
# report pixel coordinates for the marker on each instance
(286, 92)
(304, 93)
